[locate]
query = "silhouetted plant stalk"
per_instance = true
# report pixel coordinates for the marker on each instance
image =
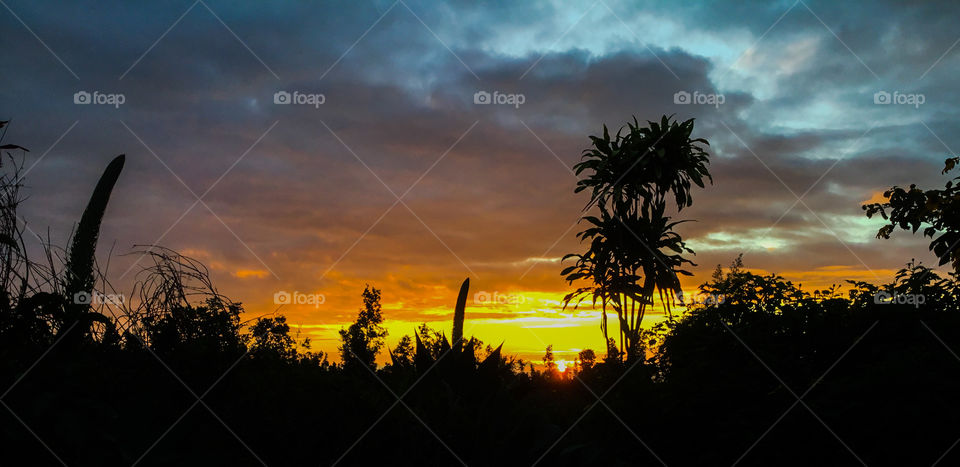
(459, 312)
(458, 358)
(14, 272)
(634, 253)
(170, 281)
(39, 294)
(65, 292)
(19, 275)
(170, 285)
(79, 269)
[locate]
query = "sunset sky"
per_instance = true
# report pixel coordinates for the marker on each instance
(398, 179)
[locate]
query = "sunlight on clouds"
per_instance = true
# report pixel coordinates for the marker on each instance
(762, 67)
(538, 260)
(829, 110)
(523, 263)
(783, 60)
(853, 228)
(251, 273)
(612, 28)
(726, 241)
(875, 197)
(823, 277)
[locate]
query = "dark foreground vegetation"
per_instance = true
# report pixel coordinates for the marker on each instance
(761, 373)
(704, 397)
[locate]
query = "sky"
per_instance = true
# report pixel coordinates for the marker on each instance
(307, 149)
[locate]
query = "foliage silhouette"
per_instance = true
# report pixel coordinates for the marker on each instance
(939, 210)
(365, 337)
(630, 177)
(462, 360)
(587, 359)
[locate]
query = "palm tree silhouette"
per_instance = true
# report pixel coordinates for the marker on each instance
(632, 175)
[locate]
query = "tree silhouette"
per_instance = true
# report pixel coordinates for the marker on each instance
(549, 364)
(629, 258)
(739, 287)
(402, 355)
(270, 339)
(587, 358)
(362, 341)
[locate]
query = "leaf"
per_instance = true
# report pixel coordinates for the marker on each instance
(490, 363)
(422, 358)
(459, 312)
(13, 146)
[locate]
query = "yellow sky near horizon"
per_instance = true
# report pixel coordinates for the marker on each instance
(525, 321)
